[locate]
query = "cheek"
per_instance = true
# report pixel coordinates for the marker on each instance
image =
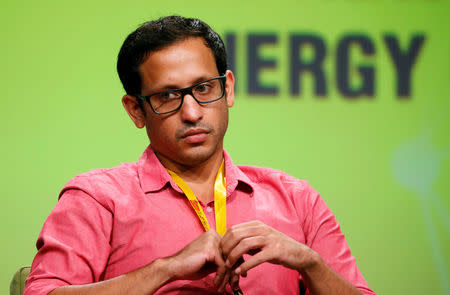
(157, 131)
(222, 121)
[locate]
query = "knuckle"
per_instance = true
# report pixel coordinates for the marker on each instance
(232, 259)
(267, 229)
(259, 224)
(221, 243)
(279, 247)
(253, 223)
(232, 234)
(246, 243)
(231, 230)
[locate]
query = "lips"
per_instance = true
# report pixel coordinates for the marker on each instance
(195, 135)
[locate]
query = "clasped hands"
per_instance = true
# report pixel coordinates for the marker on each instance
(224, 255)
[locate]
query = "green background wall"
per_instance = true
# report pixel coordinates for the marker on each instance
(382, 164)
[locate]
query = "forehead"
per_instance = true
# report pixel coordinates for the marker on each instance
(178, 65)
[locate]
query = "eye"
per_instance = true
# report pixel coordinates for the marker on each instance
(203, 88)
(168, 95)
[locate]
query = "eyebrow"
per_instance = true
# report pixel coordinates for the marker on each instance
(169, 87)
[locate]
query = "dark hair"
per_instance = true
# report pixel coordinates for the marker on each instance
(155, 35)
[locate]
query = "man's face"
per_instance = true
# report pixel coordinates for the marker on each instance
(195, 132)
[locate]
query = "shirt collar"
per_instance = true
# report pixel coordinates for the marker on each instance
(235, 178)
(154, 177)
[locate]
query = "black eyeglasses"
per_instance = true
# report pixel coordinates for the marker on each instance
(168, 101)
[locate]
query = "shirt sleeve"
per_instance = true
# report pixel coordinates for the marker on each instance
(73, 246)
(324, 236)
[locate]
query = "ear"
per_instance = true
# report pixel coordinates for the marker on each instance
(134, 110)
(229, 88)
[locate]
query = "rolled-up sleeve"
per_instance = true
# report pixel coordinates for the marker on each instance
(73, 245)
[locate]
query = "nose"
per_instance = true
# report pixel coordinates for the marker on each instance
(191, 111)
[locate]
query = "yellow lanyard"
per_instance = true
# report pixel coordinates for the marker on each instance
(220, 200)
(220, 203)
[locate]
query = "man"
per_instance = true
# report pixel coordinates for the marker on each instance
(133, 229)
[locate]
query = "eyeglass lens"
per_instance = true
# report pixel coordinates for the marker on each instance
(204, 92)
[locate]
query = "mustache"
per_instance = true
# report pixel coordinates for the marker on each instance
(179, 133)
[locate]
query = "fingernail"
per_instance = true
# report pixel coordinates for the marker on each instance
(237, 270)
(227, 263)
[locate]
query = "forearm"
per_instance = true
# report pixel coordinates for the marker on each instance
(320, 279)
(145, 280)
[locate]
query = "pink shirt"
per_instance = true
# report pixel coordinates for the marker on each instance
(108, 222)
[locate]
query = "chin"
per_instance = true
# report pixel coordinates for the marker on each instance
(188, 155)
(196, 155)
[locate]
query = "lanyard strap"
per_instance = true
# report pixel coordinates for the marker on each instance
(220, 200)
(220, 203)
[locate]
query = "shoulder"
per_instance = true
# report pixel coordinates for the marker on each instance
(275, 178)
(124, 169)
(101, 183)
(281, 184)
(288, 191)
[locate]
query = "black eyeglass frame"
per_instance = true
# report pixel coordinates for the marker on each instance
(184, 91)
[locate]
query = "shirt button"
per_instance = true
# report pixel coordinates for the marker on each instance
(209, 209)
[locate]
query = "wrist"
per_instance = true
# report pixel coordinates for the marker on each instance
(312, 262)
(167, 269)
(158, 271)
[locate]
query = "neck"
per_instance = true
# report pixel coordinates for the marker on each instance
(200, 177)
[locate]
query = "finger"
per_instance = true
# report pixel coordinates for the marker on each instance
(237, 264)
(245, 246)
(253, 261)
(228, 279)
(235, 234)
(222, 270)
(248, 223)
(218, 279)
(218, 260)
(239, 229)
(234, 282)
(224, 282)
